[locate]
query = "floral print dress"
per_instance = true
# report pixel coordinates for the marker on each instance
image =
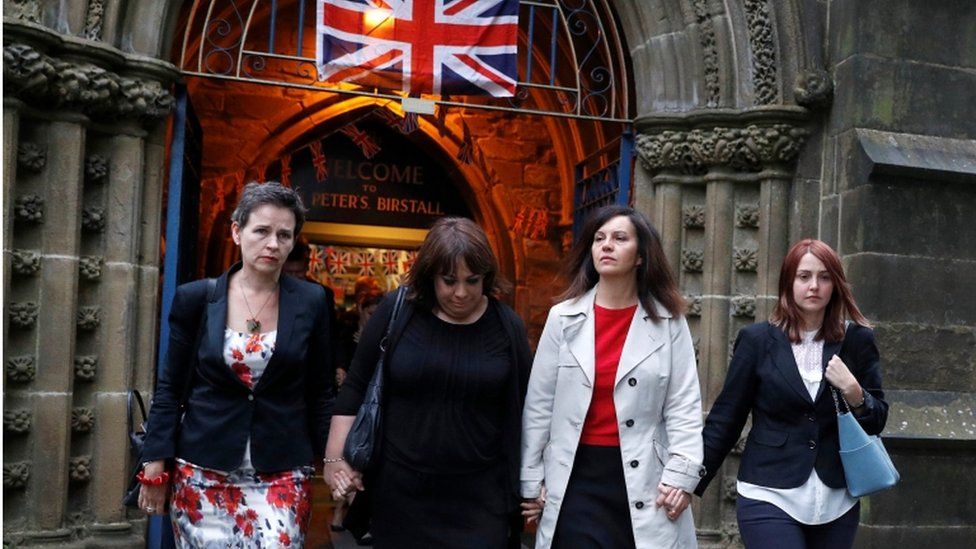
(241, 508)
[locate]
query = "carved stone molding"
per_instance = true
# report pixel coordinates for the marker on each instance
(90, 267)
(743, 305)
(31, 156)
(17, 422)
(82, 420)
(21, 369)
(692, 261)
(747, 217)
(79, 468)
(746, 149)
(745, 259)
(25, 262)
(30, 208)
(814, 88)
(45, 81)
(86, 367)
(729, 488)
(709, 45)
(93, 219)
(764, 78)
(25, 10)
(23, 314)
(16, 475)
(93, 20)
(694, 305)
(89, 317)
(96, 168)
(693, 217)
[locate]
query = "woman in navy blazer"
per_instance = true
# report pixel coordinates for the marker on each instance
(244, 399)
(791, 486)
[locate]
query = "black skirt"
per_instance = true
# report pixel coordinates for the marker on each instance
(595, 513)
(413, 509)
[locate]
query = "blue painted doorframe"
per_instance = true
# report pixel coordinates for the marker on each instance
(604, 177)
(179, 261)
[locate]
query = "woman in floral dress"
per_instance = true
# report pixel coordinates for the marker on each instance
(244, 399)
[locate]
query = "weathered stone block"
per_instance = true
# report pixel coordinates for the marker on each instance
(919, 289)
(910, 363)
(51, 441)
(872, 213)
(904, 29)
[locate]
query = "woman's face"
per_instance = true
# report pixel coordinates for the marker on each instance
(812, 286)
(266, 239)
(614, 248)
(459, 294)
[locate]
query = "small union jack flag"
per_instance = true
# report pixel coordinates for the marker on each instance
(388, 263)
(316, 261)
(457, 47)
(318, 160)
(362, 140)
(286, 170)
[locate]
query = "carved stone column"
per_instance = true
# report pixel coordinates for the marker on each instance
(727, 173)
(74, 207)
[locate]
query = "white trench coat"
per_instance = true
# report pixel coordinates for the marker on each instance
(656, 387)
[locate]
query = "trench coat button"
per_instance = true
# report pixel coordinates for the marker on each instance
(634, 463)
(632, 382)
(813, 444)
(250, 397)
(811, 418)
(639, 505)
(629, 423)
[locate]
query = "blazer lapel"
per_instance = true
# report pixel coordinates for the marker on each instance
(785, 362)
(643, 338)
(289, 306)
(213, 342)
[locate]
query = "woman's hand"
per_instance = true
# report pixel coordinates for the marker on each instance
(342, 479)
(152, 499)
(532, 508)
(841, 377)
(674, 500)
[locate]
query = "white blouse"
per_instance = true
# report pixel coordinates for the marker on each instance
(813, 502)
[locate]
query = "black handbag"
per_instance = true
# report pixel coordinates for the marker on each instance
(137, 438)
(364, 436)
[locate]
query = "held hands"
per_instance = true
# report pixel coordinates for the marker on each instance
(532, 508)
(342, 479)
(841, 377)
(674, 500)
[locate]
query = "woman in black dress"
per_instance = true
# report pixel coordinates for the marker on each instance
(458, 364)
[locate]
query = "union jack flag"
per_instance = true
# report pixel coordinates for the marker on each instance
(458, 47)
(366, 144)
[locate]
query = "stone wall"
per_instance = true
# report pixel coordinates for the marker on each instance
(898, 200)
(82, 176)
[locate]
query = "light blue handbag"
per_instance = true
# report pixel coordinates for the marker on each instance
(867, 466)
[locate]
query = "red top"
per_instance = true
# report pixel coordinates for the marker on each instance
(612, 325)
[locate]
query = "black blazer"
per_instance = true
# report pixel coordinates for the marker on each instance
(791, 434)
(287, 414)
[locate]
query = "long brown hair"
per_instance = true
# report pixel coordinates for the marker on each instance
(449, 240)
(786, 314)
(655, 279)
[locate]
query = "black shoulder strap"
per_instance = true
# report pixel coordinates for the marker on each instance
(201, 326)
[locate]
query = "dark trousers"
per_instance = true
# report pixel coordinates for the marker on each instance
(765, 526)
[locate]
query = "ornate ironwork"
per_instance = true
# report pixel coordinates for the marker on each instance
(571, 60)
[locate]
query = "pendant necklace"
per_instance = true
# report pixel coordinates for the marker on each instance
(253, 324)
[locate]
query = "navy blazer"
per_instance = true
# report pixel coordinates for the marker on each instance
(286, 416)
(791, 433)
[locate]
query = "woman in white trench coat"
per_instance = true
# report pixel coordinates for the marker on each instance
(611, 442)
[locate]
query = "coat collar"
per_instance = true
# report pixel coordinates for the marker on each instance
(289, 303)
(579, 331)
